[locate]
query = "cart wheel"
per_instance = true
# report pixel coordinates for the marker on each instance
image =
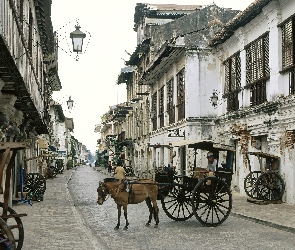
(270, 187)
(15, 225)
(211, 201)
(249, 183)
(6, 236)
(177, 204)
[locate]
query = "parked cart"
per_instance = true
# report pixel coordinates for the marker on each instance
(265, 184)
(11, 227)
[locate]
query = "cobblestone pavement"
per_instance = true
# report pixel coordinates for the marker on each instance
(56, 222)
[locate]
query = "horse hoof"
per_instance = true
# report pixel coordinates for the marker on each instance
(125, 228)
(147, 224)
(156, 226)
(116, 228)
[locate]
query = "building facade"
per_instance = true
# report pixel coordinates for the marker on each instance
(244, 60)
(28, 75)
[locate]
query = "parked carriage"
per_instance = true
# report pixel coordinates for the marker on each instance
(264, 184)
(11, 227)
(205, 195)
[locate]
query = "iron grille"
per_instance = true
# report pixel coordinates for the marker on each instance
(180, 94)
(258, 93)
(170, 105)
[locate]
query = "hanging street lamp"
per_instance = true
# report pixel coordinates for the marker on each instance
(70, 103)
(214, 98)
(77, 37)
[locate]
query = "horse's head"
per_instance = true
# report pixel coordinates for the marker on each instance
(102, 193)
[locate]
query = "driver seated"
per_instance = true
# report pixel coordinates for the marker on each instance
(212, 162)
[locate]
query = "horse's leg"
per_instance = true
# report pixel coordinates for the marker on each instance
(125, 215)
(119, 215)
(149, 204)
(156, 212)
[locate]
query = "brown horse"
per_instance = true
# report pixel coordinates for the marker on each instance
(139, 191)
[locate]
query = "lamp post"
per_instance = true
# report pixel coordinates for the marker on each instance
(77, 37)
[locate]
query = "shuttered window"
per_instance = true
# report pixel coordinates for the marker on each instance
(170, 101)
(154, 111)
(288, 51)
(181, 94)
(257, 69)
(161, 106)
(232, 81)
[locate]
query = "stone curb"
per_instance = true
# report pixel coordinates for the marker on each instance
(264, 222)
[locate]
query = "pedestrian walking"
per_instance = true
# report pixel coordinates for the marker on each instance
(109, 166)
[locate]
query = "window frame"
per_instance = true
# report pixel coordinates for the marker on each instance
(232, 82)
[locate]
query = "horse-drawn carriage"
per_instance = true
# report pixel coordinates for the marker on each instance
(205, 195)
(264, 184)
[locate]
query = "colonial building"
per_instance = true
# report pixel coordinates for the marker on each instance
(28, 74)
(215, 74)
(165, 87)
(256, 72)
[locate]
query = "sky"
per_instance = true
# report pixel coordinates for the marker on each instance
(91, 78)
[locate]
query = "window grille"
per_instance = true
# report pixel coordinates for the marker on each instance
(154, 111)
(161, 106)
(170, 104)
(232, 81)
(257, 69)
(180, 94)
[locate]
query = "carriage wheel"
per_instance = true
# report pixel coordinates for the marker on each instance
(15, 225)
(270, 187)
(249, 183)
(211, 201)
(6, 236)
(177, 204)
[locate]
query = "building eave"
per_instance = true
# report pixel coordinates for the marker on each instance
(240, 20)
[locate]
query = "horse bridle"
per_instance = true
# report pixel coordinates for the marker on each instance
(104, 193)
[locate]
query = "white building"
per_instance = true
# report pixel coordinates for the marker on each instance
(256, 72)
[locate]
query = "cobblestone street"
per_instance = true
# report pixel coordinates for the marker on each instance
(73, 219)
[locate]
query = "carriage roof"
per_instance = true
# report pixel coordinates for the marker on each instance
(263, 155)
(203, 145)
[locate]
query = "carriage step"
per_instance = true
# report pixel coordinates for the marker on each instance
(262, 202)
(13, 216)
(14, 226)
